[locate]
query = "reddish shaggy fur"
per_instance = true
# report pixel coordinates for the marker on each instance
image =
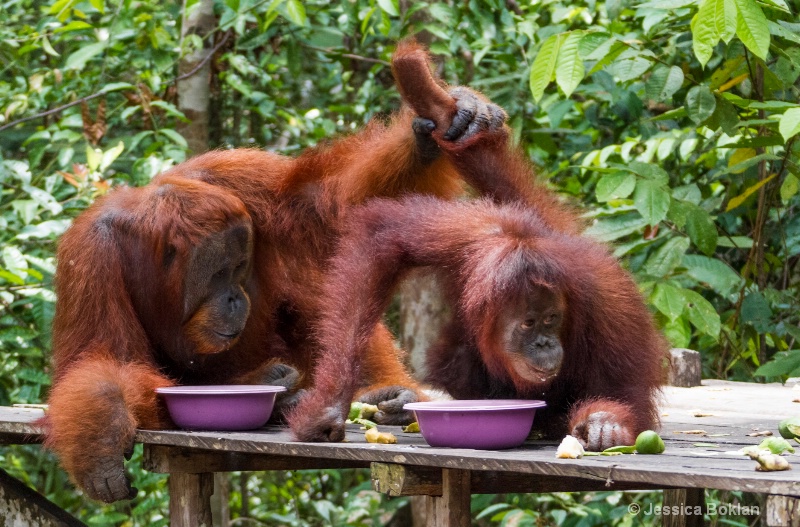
(487, 253)
(118, 332)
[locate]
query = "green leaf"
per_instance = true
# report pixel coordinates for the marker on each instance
(591, 41)
(649, 171)
(790, 123)
(725, 19)
(615, 227)
(756, 312)
(15, 261)
(678, 332)
(663, 83)
(752, 27)
(789, 187)
(705, 34)
(390, 7)
(78, 59)
(651, 200)
(616, 185)
(296, 12)
(569, 65)
(700, 103)
(702, 314)
(783, 363)
(544, 66)
(712, 272)
(735, 242)
(664, 260)
(48, 48)
(175, 137)
(668, 300)
(701, 229)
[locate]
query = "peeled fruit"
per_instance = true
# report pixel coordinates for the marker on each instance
(649, 442)
(570, 448)
(374, 436)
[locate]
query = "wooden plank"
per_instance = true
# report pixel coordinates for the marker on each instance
(452, 508)
(681, 466)
(170, 460)
(22, 506)
(782, 511)
(190, 499)
(691, 504)
(405, 480)
(718, 407)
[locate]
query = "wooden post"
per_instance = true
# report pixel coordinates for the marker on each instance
(782, 511)
(690, 501)
(190, 499)
(452, 509)
(685, 368)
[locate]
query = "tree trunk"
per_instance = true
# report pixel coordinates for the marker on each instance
(194, 90)
(423, 312)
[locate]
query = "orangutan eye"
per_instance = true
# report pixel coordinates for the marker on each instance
(550, 320)
(528, 324)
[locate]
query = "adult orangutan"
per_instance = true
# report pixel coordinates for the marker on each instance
(212, 274)
(539, 311)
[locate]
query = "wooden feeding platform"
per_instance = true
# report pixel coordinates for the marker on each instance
(727, 415)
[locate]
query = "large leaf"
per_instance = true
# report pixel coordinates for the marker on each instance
(77, 60)
(712, 272)
(701, 229)
(705, 34)
(651, 200)
(700, 103)
(663, 83)
(702, 314)
(790, 123)
(544, 66)
(616, 185)
(663, 261)
(569, 65)
(668, 300)
(756, 312)
(783, 363)
(615, 227)
(752, 27)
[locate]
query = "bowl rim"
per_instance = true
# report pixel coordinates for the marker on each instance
(220, 389)
(478, 405)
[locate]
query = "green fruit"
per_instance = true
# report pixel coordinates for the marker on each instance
(790, 428)
(355, 411)
(776, 445)
(620, 450)
(649, 442)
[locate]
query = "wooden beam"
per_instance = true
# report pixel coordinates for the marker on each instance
(690, 501)
(170, 460)
(21, 506)
(190, 499)
(452, 509)
(410, 480)
(782, 511)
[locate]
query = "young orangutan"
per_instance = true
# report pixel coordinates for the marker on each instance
(539, 312)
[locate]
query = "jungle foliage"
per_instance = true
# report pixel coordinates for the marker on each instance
(674, 124)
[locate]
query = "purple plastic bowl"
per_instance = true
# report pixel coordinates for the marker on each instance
(481, 424)
(224, 407)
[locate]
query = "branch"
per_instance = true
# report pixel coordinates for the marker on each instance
(102, 92)
(205, 59)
